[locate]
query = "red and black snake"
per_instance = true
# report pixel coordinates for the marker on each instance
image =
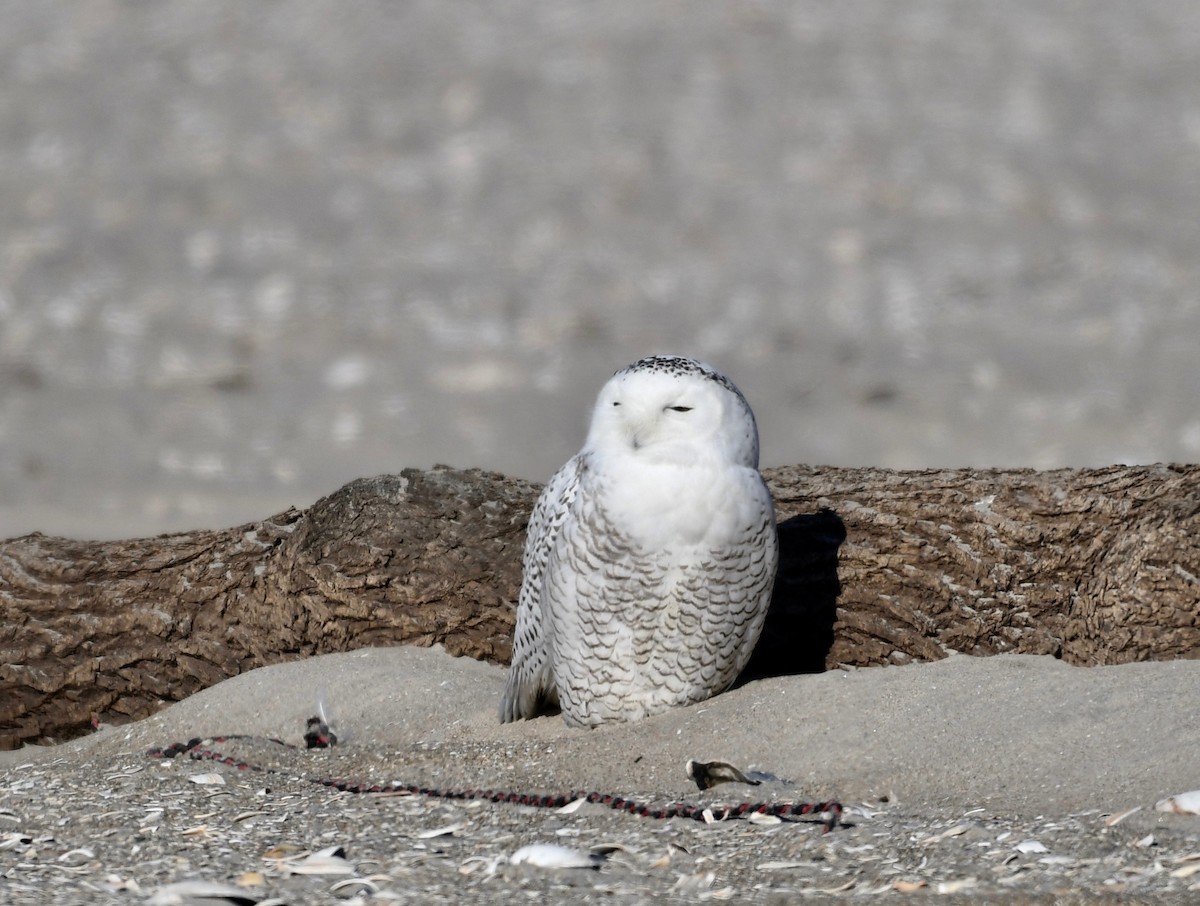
(319, 736)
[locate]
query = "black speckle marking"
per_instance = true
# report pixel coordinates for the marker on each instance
(681, 366)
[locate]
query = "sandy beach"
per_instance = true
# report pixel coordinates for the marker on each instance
(947, 771)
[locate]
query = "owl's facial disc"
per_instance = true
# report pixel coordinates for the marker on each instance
(672, 410)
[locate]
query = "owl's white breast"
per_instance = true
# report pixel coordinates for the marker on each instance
(661, 505)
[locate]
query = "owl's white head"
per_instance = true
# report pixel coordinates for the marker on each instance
(674, 409)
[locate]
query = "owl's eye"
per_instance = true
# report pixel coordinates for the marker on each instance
(680, 408)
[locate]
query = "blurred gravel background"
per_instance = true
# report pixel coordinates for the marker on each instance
(251, 251)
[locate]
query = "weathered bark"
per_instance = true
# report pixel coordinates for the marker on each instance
(1093, 565)
(1097, 566)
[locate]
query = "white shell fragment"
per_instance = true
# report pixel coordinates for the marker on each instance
(956, 831)
(1118, 817)
(551, 855)
(213, 779)
(78, 856)
(328, 861)
(1031, 846)
(448, 831)
(948, 887)
(196, 891)
(355, 886)
(1056, 859)
(764, 818)
(1180, 804)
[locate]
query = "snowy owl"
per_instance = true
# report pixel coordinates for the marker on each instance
(650, 556)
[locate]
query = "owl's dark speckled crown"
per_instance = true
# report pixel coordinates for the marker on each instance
(681, 366)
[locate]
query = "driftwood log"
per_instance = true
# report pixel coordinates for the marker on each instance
(1097, 566)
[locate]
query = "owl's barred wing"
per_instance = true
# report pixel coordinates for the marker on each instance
(638, 629)
(530, 682)
(738, 590)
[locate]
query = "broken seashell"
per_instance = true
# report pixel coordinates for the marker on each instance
(1180, 804)
(449, 830)
(183, 892)
(956, 831)
(1118, 817)
(946, 887)
(781, 866)
(1031, 846)
(12, 839)
(607, 849)
(572, 806)
(328, 861)
(865, 810)
(80, 855)
(551, 855)
(1055, 859)
(355, 886)
(282, 851)
(490, 863)
(764, 818)
(708, 774)
(212, 778)
(909, 886)
(116, 884)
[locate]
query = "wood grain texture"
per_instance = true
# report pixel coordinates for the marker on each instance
(1097, 566)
